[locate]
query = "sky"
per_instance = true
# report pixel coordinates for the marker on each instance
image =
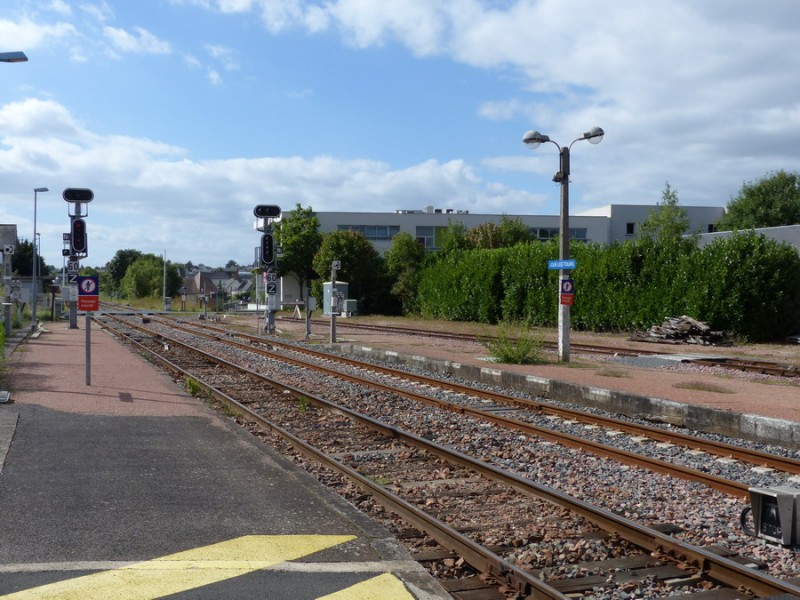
(182, 115)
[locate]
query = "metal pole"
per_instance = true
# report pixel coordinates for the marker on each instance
(563, 254)
(88, 348)
(333, 312)
(164, 282)
(33, 266)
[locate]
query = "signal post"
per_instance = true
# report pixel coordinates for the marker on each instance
(266, 214)
(84, 292)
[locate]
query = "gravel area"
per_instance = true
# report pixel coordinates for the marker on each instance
(704, 517)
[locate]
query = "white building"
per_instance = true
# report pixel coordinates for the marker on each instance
(606, 225)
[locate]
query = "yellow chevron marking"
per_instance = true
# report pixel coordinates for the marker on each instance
(186, 570)
(382, 587)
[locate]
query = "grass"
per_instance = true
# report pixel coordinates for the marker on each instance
(609, 372)
(517, 345)
(380, 480)
(703, 386)
(192, 386)
(302, 404)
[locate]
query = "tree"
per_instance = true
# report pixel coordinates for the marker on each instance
(668, 221)
(485, 235)
(362, 268)
(22, 260)
(118, 266)
(145, 278)
(231, 264)
(403, 262)
(298, 235)
(769, 202)
(513, 232)
(453, 238)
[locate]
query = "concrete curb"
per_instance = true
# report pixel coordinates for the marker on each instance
(747, 426)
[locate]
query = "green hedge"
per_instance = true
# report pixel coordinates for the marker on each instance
(747, 285)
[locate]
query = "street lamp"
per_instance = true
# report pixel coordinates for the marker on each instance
(533, 139)
(35, 268)
(12, 57)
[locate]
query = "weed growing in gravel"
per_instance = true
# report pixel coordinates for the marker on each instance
(607, 372)
(381, 480)
(516, 344)
(302, 404)
(192, 386)
(228, 410)
(702, 386)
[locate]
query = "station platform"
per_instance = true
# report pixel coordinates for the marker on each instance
(114, 483)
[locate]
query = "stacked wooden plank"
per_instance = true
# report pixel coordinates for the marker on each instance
(684, 330)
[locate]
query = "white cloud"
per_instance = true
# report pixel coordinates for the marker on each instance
(30, 35)
(140, 42)
(150, 195)
(224, 55)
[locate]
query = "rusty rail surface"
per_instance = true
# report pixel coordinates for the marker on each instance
(715, 567)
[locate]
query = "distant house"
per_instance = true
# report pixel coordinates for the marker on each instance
(198, 284)
(227, 284)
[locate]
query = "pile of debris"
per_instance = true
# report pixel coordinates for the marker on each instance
(684, 330)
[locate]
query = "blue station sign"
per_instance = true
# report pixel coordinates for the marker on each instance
(557, 265)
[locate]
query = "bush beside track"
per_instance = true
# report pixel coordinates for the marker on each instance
(747, 285)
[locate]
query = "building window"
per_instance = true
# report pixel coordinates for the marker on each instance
(374, 233)
(711, 228)
(578, 234)
(629, 227)
(544, 234)
(426, 235)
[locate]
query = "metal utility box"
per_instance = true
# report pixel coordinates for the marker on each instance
(776, 514)
(350, 308)
(338, 303)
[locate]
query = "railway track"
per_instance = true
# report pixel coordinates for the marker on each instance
(495, 406)
(734, 364)
(646, 547)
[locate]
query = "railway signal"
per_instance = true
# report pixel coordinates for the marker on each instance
(78, 195)
(267, 249)
(267, 211)
(78, 238)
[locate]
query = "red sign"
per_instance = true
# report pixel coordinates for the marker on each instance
(88, 303)
(568, 299)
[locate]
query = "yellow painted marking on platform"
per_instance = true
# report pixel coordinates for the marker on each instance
(186, 570)
(382, 587)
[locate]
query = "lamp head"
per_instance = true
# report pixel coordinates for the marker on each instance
(594, 135)
(43, 189)
(533, 139)
(13, 57)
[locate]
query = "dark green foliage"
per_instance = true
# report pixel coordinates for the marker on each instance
(22, 260)
(298, 234)
(403, 262)
(362, 268)
(144, 278)
(769, 202)
(747, 285)
(118, 266)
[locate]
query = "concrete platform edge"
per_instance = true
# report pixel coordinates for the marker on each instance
(747, 426)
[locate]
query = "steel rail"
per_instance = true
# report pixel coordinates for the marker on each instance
(482, 559)
(717, 568)
(754, 366)
(726, 486)
(755, 457)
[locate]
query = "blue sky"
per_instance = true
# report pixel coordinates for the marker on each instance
(182, 115)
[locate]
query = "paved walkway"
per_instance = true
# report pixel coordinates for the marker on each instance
(129, 488)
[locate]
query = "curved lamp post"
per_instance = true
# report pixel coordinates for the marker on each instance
(533, 139)
(34, 287)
